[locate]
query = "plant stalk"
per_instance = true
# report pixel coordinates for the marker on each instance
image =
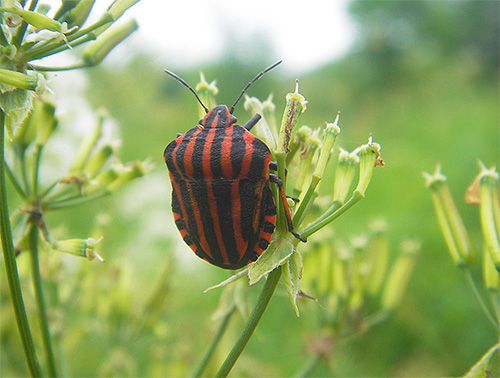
(480, 298)
(264, 298)
(11, 267)
(208, 355)
(40, 301)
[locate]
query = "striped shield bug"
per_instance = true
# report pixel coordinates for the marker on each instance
(222, 202)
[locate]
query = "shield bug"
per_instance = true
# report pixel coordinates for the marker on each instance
(221, 196)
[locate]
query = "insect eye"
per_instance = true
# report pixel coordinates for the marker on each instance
(201, 121)
(233, 119)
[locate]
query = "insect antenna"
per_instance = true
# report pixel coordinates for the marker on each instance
(250, 83)
(180, 80)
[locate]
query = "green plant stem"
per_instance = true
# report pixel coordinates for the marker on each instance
(218, 336)
(36, 168)
(21, 156)
(11, 267)
(76, 200)
(479, 298)
(40, 301)
(15, 183)
(75, 66)
(304, 204)
(331, 214)
(264, 298)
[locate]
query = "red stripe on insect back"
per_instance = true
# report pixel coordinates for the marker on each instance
(188, 154)
(247, 159)
(225, 154)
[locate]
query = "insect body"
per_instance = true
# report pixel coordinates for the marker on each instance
(221, 196)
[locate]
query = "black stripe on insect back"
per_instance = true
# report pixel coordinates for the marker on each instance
(181, 150)
(238, 149)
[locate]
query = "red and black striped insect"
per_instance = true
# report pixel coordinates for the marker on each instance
(221, 196)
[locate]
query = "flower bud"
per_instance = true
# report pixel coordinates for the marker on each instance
(45, 120)
(378, 248)
(452, 226)
(269, 114)
(262, 130)
(86, 146)
(399, 276)
(131, 171)
(490, 274)
(295, 106)
(118, 7)
(79, 247)
(311, 144)
(18, 79)
(344, 175)
(329, 136)
(207, 92)
(37, 20)
(102, 180)
(490, 212)
(97, 50)
(79, 13)
(369, 155)
(97, 161)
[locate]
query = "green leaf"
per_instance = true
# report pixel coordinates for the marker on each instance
(16, 104)
(484, 367)
(292, 274)
(280, 249)
(231, 279)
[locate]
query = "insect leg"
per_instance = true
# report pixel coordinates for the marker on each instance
(277, 180)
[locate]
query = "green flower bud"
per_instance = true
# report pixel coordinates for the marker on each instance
(207, 92)
(102, 180)
(19, 80)
(45, 120)
(295, 106)
(344, 175)
(79, 247)
(306, 157)
(261, 129)
(329, 136)
(269, 114)
(452, 226)
(340, 271)
(97, 50)
(490, 212)
(378, 249)
(399, 276)
(118, 7)
(97, 161)
(79, 13)
(369, 155)
(130, 171)
(490, 274)
(37, 20)
(86, 147)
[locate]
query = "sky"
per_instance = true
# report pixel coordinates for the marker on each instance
(304, 34)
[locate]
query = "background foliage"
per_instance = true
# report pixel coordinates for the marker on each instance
(423, 77)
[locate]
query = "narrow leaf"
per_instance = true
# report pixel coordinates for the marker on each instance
(292, 273)
(278, 251)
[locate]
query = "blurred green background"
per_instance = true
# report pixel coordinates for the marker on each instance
(423, 78)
